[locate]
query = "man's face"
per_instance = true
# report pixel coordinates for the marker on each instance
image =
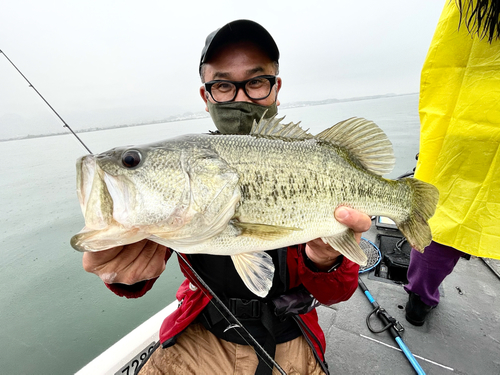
(239, 62)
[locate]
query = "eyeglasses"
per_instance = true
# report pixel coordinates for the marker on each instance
(255, 88)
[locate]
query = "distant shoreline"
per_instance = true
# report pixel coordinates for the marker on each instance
(202, 115)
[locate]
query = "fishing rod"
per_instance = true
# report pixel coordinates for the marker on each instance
(488, 264)
(199, 282)
(390, 324)
(264, 355)
(53, 110)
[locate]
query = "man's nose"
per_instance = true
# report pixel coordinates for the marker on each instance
(241, 96)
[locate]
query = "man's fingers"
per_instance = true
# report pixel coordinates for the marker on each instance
(127, 264)
(156, 264)
(93, 261)
(148, 262)
(151, 249)
(355, 220)
(357, 237)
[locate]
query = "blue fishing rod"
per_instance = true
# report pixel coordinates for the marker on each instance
(390, 324)
(46, 102)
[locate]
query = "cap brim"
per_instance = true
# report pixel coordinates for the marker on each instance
(236, 31)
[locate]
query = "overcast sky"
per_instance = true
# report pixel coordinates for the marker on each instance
(109, 62)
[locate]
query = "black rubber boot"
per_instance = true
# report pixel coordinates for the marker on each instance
(416, 310)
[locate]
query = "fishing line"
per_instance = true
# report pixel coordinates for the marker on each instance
(230, 314)
(46, 102)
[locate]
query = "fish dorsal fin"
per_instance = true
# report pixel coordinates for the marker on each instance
(365, 141)
(272, 127)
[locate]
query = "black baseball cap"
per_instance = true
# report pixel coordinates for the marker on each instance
(240, 30)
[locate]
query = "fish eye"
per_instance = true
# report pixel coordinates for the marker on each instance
(131, 158)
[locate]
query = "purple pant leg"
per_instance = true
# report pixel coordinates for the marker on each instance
(428, 270)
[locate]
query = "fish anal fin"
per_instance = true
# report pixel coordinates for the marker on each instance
(256, 270)
(263, 231)
(346, 244)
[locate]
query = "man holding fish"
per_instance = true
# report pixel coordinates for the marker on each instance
(239, 67)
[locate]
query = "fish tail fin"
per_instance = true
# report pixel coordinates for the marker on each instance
(415, 227)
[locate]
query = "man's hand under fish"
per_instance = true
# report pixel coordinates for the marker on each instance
(145, 259)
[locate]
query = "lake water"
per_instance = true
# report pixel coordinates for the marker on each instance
(55, 317)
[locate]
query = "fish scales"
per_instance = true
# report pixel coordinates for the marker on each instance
(297, 185)
(241, 195)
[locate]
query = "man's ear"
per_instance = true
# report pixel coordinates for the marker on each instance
(204, 96)
(278, 88)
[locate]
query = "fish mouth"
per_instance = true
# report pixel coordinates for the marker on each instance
(85, 171)
(95, 201)
(104, 199)
(122, 197)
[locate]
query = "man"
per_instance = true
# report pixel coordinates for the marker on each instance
(239, 67)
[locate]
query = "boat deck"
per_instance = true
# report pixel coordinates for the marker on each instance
(460, 336)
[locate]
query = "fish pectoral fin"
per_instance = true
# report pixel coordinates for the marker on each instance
(103, 239)
(256, 270)
(346, 244)
(263, 231)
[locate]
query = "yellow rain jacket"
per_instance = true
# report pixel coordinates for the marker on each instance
(460, 136)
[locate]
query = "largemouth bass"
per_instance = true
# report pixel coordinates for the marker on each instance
(241, 195)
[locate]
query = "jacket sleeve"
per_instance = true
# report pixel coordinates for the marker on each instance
(138, 289)
(327, 287)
